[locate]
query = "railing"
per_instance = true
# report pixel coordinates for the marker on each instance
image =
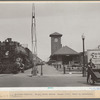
(67, 68)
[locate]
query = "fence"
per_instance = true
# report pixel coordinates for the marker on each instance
(68, 68)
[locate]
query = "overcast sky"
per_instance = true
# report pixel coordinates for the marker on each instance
(71, 19)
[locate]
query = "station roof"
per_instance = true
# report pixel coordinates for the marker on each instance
(55, 34)
(65, 50)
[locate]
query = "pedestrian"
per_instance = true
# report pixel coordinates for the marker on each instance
(90, 65)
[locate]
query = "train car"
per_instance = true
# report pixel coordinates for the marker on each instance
(12, 55)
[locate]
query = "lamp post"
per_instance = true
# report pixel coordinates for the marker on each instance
(83, 70)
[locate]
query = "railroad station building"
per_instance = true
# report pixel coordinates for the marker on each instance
(62, 54)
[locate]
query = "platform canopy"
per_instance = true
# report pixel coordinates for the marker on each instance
(65, 50)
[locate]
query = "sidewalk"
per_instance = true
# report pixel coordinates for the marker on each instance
(51, 78)
(49, 70)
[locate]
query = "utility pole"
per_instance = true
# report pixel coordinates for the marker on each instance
(34, 41)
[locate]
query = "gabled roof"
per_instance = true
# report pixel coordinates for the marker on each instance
(55, 34)
(65, 51)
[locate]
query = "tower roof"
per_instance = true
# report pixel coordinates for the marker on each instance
(65, 51)
(55, 34)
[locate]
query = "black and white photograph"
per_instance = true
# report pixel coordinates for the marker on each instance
(49, 44)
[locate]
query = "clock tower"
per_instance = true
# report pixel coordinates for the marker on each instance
(55, 42)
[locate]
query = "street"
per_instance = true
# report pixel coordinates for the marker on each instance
(50, 78)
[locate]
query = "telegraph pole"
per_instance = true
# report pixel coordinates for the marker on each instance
(34, 41)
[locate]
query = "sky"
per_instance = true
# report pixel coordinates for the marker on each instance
(71, 19)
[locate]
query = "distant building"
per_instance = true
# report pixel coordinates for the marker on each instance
(65, 55)
(55, 42)
(59, 54)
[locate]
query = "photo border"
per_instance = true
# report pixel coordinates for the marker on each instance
(95, 91)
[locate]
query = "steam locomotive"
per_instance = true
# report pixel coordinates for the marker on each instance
(12, 54)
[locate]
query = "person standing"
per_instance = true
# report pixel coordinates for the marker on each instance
(90, 65)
